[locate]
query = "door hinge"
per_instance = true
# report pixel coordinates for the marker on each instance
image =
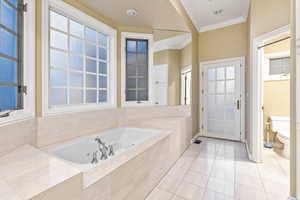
(202, 91)
(202, 74)
(22, 89)
(202, 127)
(23, 7)
(202, 109)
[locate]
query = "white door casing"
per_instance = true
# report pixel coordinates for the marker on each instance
(222, 99)
(186, 80)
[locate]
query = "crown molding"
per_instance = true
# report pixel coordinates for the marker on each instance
(173, 43)
(224, 24)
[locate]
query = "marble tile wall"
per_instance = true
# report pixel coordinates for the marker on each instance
(17, 134)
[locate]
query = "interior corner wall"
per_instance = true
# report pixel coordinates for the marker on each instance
(186, 56)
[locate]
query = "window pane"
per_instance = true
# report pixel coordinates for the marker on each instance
(58, 58)
(91, 65)
(131, 83)
(90, 35)
(131, 95)
(102, 82)
(102, 54)
(211, 74)
(142, 46)
(131, 45)
(8, 44)
(143, 70)
(76, 79)
(58, 21)
(58, 40)
(76, 96)
(58, 96)
(8, 71)
(220, 73)
(91, 96)
(230, 73)
(76, 63)
(102, 39)
(102, 68)
(8, 16)
(13, 2)
(90, 50)
(91, 81)
(76, 46)
(76, 29)
(58, 77)
(131, 58)
(142, 83)
(142, 95)
(102, 96)
(131, 70)
(8, 100)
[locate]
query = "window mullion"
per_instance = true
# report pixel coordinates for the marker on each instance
(68, 63)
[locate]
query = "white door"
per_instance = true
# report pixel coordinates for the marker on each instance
(186, 78)
(160, 79)
(221, 96)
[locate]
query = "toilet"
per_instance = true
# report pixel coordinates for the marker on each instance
(281, 126)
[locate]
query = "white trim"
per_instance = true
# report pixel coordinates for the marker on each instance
(186, 69)
(149, 37)
(243, 99)
(224, 24)
(256, 91)
(298, 120)
(176, 43)
(28, 69)
(266, 67)
(87, 20)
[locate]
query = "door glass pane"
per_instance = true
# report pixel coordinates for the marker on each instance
(8, 100)
(211, 74)
(8, 70)
(220, 73)
(58, 96)
(220, 87)
(230, 87)
(58, 40)
(91, 96)
(76, 96)
(229, 113)
(58, 21)
(230, 73)
(211, 87)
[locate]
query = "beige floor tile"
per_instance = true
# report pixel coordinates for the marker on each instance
(221, 186)
(178, 198)
(196, 178)
(169, 184)
(157, 194)
(212, 195)
(190, 191)
(250, 193)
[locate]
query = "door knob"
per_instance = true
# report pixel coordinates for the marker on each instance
(238, 104)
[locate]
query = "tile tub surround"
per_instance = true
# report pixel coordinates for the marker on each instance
(28, 173)
(17, 134)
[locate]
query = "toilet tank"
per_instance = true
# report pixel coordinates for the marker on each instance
(281, 125)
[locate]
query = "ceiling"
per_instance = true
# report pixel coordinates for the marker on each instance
(176, 42)
(151, 13)
(202, 13)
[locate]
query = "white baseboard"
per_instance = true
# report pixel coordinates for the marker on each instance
(194, 138)
(248, 152)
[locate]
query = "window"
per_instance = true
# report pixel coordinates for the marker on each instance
(186, 76)
(11, 55)
(136, 70)
(79, 60)
(280, 66)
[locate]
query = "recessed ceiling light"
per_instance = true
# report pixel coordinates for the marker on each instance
(218, 12)
(132, 12)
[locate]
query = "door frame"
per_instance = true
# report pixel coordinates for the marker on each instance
(242, 79)
(256, 126)
(183, 70)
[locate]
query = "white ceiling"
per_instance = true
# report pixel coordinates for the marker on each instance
(202, 13)
(176, 42)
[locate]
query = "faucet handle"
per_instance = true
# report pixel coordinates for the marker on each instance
(111, 150)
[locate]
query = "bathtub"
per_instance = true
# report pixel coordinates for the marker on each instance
(128, 143)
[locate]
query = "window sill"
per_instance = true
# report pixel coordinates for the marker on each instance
(15, 117)
(76, 109)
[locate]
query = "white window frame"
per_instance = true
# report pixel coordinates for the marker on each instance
(267, 58)
(28, 111)
(91, 22)
(142, 36)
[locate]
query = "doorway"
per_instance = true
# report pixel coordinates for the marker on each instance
(186, 78)
(222, 99)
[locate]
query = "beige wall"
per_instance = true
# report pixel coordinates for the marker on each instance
(223, 43)
(186, 56)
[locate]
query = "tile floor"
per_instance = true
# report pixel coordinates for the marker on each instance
(220, 170)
